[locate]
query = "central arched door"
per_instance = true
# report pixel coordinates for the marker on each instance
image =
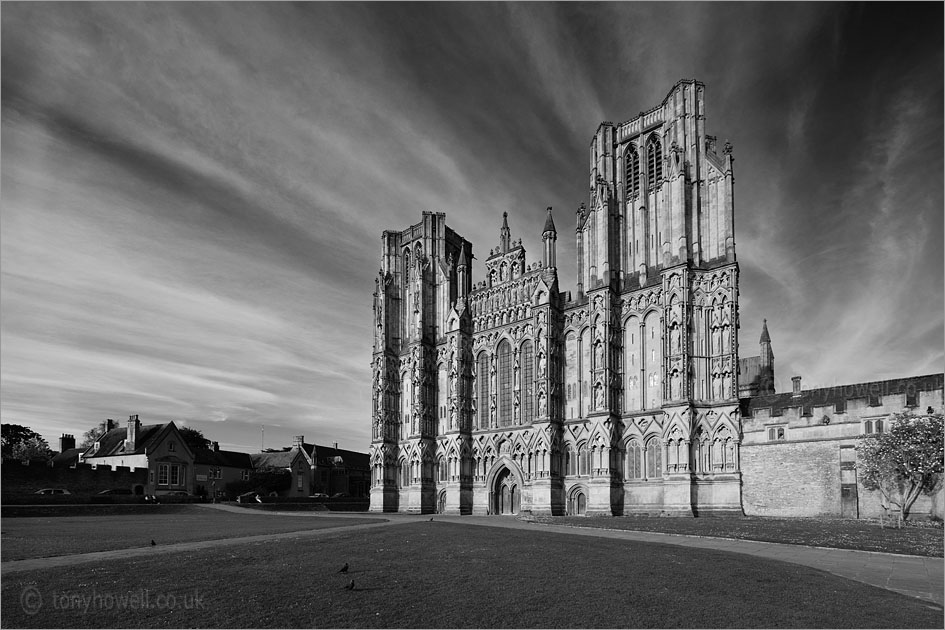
(506, 493)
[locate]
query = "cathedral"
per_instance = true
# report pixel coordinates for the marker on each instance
(510, 395)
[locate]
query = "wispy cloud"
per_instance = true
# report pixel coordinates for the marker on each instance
(193, 194)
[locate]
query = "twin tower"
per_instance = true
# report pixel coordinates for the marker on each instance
(507, 395)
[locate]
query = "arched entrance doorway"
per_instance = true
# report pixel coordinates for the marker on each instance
(577, 503)
(441, 502)
(506, 493)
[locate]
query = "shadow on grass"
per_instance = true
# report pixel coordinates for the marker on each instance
(420, 575)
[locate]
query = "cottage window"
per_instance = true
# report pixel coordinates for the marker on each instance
(171, 447)
(162, 474)
(175, 475)
(301, 478)
(912, 397)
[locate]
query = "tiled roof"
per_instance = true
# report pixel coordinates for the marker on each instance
(275, 459)
(113, 442)
(68, 457)
(827, 396)
(352, 459)
(749, 369)
(232, 459)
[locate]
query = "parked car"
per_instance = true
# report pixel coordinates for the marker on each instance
(116, 491)
(178, 493)
(339, 495)
(318, 495)
(248, 497)
(52, 491)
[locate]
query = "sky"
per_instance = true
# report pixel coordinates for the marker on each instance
(193, 194)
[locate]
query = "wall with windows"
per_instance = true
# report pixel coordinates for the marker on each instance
(790, 453)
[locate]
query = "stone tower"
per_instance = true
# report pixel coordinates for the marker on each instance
(507, 395)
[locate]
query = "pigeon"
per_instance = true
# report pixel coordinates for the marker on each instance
(153, 543)
(349, 586)
(343, 569)
(431, 519)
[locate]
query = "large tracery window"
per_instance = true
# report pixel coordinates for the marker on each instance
(654, 459)
(634, 460)
(528, 382)
(632, 159)
(482, 376)
(505, 384)
(654, 162)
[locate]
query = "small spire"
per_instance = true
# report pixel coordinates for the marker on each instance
(505, 234)
(462, 256)
(765, 337)
(549, 223)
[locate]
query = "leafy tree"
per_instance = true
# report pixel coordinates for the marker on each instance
(194, 438)
(19, 442)
(905, 461)
(89, 437)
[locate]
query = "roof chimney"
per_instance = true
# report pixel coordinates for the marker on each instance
(66, 441)
(299, 440)
(336, 446)
(216, 447)
(132, 435)
(109, 425)
(797, 385)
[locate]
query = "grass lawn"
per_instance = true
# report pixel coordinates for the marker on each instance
(37, 537)
(437, 574)
(863, 535)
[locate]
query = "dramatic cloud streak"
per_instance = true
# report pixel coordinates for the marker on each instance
(193, 194)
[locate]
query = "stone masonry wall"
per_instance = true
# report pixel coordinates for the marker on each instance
(791, 479)
(83, 479)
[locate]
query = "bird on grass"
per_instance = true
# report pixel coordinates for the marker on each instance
(153, 543)
(349, 586)
(343, 569)
(431, 519)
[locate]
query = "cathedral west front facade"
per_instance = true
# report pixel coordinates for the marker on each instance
(620, 396)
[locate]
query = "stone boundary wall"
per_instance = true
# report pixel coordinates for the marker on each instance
(802, 479)
(21, 479)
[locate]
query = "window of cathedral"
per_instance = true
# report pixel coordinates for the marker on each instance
(504, 354)
(776, 433)
(583, 463)
(634, 460)
(654, 162)
(654, 459)
(632, 160)
(875, 400)
(873, 426)
(528, 383)
(482, 380)
(840, 406)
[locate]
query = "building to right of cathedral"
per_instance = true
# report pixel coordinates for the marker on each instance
(625, 394)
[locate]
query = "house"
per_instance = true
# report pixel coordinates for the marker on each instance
(338, 470)
(215, 469)
(159, 448)
(296, 459)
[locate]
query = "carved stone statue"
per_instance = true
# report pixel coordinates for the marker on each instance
(542, 365)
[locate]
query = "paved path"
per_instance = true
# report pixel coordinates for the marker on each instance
(916, 576)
